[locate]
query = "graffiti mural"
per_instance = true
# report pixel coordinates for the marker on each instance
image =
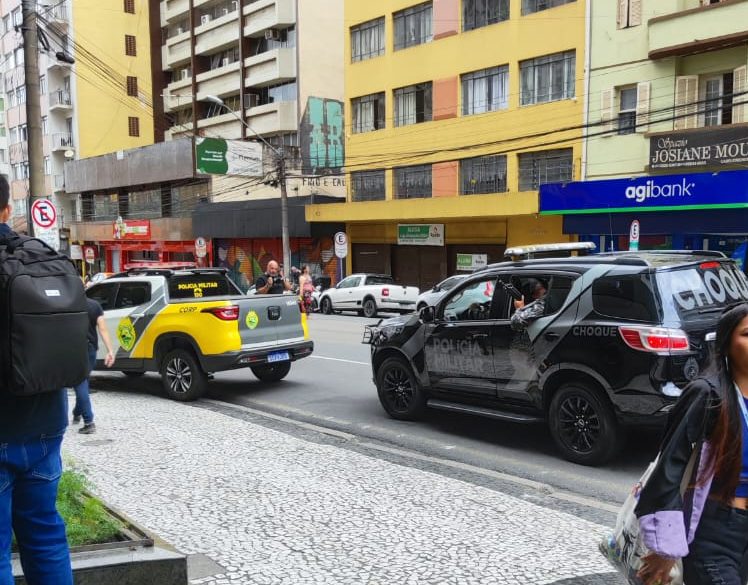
(321, 135)
(247, 259)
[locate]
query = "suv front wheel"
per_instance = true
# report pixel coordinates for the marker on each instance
(182, 376)
(583, 425)
(399, 392)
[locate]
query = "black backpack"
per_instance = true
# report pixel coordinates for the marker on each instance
(43, 319)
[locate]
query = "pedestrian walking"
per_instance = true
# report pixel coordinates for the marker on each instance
(31, 432)
(272, 282)
(306, 288)
(707, 526)
(96, 326)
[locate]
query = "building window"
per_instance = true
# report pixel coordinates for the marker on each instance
(716, 99)
(548, 79)
(485, 91)
(131, 49)
(17, 17)
(531, 6)
(284, 92)
(181, 74)
(224, 58)
(483, 174)
(43, 84)
(413, 104)
(19, 57)
(130, 6)
(367, 186)
(133, 125)
(105, 207)
(368, 113)
(47, 165)
(23, 133)
(413, 26)
(6, 23)
(132, 86)
(480, 13)
(629, 13)
(627, 110)
(144, 203)
(367, 40)
(45, 125)
(547, 166)
(285, 139)
(413, 182)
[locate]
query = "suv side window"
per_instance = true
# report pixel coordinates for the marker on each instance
(350, 282)
(471, 303)
(133, 294)
(629, 297)
(104, 294)
(557, 289)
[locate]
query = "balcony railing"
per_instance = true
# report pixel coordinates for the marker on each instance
(60, 98)
(58, 13)
(62, 140)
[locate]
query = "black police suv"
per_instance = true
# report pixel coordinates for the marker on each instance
(619, 337)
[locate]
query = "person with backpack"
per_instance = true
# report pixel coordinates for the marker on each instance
(42, 321)
(705, 525)
(96, 327)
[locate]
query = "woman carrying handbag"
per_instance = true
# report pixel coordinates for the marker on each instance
(706, 526)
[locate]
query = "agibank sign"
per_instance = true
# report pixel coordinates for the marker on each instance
(727, 189)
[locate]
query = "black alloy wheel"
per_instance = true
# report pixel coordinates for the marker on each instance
(399, 392)
(182, 376)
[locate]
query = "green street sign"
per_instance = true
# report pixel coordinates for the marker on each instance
(210, 156)
(420, 234)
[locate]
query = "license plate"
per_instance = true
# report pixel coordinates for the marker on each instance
(278, 356)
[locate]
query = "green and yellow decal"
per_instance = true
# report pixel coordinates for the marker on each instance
(126, 334)
(253, 320)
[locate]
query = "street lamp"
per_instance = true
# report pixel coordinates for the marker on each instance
(281, 171)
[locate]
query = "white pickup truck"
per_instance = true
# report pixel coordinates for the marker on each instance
(368, 294)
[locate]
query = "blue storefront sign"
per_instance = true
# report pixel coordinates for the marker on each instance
(726, 189)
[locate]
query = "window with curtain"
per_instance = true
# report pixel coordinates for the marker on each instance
(413, 26)
(367, 40)
(485, 91)
(547, 166)
(548, 79)
(413, 104)
(368, 113)
(367, 186)
(480, 13)
(483, 174)
(413, 182)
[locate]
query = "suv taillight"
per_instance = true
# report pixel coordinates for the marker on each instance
(655, 339)
(385, 292)
(230, 313)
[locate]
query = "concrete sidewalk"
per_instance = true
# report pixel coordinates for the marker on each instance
(256, 505)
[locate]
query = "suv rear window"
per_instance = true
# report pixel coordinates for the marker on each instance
(700, 290)
(626, 297)
(376, 280)
(198, 286)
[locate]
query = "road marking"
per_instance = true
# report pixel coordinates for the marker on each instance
(320, 357)
(543, 488)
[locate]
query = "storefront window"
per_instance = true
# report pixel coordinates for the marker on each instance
(106, 207)
(144, 204)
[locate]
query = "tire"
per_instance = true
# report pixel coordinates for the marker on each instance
(399, 392)
(182, 376)
(370, 308)
(272, 372)
(133, 374)
(326, 306)
(315, 305)
(583, 425)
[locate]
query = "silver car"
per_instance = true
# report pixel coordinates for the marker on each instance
(432, 296)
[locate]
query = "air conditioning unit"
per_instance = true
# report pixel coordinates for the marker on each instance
(234, 6)
(184, 74)
(224, 11)
(180, 30)
(272, 34)
(251, 100)
(205, 19)
(225, 61)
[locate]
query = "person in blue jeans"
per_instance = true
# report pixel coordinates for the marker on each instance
(31, 431)
(83, 408)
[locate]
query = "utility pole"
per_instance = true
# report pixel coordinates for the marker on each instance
(37, 185)
(284, 212)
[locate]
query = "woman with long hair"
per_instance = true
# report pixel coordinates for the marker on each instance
(306, 288)
(707, 524)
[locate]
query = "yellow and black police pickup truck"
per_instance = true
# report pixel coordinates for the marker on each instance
(187, 324)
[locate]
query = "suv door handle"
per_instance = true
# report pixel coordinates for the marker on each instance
(550, 336)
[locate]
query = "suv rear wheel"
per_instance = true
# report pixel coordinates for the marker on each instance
(399, 392)
(272, 372)
(326, 306)
(370, 308)
(182, 376)
(583, 425)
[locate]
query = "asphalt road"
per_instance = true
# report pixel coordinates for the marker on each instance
(333, 389)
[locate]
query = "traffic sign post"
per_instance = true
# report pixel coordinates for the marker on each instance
(341, 244)
(634, 233)
(44, 216)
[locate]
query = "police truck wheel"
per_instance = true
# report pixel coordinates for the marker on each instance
(326, 306)
(584, 425)
(272, 372)
(370, 308)
(182, 376)
(399, 392)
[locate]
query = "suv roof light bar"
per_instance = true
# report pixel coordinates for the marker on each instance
(705, 253)
(529, 252)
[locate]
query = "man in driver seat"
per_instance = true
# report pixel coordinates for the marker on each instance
(527, 313)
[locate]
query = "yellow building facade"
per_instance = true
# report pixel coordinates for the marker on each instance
(114, 106)
(455, 111)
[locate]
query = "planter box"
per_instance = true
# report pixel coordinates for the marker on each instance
(136, 559)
